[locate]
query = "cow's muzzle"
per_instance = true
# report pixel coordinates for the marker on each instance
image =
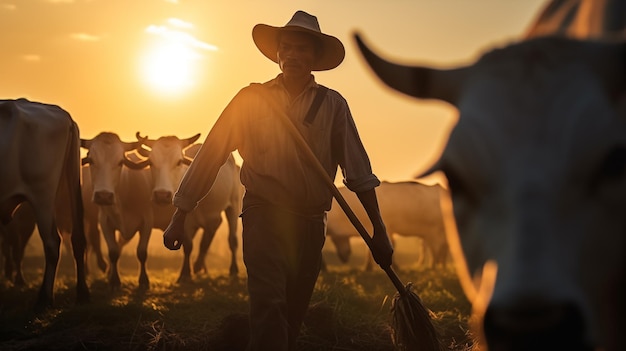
(103, 198)
(535, 326)
(162, 197)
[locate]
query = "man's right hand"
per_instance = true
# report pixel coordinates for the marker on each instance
(173, 234)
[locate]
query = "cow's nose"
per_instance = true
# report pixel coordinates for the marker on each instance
(103, 198)
(534, 325)
(162, 197)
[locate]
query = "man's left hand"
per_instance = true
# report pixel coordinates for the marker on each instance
(382, 249)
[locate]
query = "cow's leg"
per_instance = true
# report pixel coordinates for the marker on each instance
(232, 217)
(142, 256)
(208, 233)
(108, 231)
(421, 259)
(79, 249)
(18, 255)
(93, 242)
(369, 264)
(440, 255)
(185, 269)
(51, 240)
(323, 266)
(93, 238)
(7, 244)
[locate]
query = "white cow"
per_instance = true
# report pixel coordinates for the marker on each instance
(39, 149)
(121, 189)
(15, 235)
(536, 172)
(168, 163)
(408, 209)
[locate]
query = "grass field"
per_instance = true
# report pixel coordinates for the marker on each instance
(349, 309)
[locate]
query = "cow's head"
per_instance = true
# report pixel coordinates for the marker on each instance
(168, 163)
(536, 167)
(106, 156)
(342, 246)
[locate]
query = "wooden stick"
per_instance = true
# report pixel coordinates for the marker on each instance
(310, 156)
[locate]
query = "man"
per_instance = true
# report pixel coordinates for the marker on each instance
(285, 204)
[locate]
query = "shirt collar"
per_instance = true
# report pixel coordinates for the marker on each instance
(278, 81)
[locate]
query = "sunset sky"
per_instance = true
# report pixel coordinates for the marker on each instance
(169, 67)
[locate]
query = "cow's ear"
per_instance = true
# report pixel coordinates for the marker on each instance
(416, 81)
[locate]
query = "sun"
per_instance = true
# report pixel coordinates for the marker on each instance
(169, 67)
(172, 60)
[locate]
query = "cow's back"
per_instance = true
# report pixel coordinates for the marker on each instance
(581, 19)
(411, 208)
(225, 192)
(34, 138)
(407, 208)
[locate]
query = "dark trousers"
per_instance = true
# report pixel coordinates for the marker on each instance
(282, 252)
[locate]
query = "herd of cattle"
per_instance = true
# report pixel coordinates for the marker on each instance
(124, 188)
(536, 167)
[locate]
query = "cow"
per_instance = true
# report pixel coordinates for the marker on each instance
(535, 167)
(408, 209)
(16, 234)
(169, 159)
(39, 148)
(121, 189)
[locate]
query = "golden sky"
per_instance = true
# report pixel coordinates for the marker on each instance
(169, 67)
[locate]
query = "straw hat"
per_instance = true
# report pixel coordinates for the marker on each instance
(266, 39)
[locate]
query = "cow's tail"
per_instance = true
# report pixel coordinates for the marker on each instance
(79, 242)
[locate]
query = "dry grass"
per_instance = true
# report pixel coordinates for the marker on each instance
(350, 310)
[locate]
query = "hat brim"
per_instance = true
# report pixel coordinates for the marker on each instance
(265, 39)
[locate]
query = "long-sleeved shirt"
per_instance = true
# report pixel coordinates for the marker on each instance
(274, 171)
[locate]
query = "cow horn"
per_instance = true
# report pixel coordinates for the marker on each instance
(189, 141)
(85, 160)
(85, 143)
(415, 81)
(143, 152)
(187, 160)
(131, 146)
(144, 140)
(135, 165)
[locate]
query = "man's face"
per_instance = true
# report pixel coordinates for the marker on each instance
(296, 53)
